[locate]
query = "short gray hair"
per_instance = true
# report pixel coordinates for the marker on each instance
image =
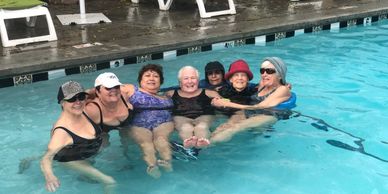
(187, 67)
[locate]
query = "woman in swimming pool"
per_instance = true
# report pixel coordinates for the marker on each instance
(273, 91)
(214, 72)
(193, 112)
(74, 139)
(237, 90)
(152, 122)
(110, 107)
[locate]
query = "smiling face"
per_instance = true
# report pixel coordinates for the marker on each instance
(215, 77)
(75, 107)
(269, 79)
(239, 81)
(150, 81)
(109, 94)
(188, 80)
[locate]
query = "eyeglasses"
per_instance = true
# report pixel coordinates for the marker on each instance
(114, 87)
(267, 70)
(213, 72)
(79, 97)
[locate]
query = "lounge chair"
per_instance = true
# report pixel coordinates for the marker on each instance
(29, 9)
(201, 7)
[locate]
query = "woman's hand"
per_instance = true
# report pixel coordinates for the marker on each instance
(220, 102)
(52, 183)
(91, 94)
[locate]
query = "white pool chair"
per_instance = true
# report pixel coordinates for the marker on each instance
(83, 17)
(162, 5)
(201, 7)
(30, 14)
(205, 14)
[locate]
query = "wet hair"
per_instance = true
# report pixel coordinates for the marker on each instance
(151, 67)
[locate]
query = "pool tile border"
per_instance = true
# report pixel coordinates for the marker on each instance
(166, 55)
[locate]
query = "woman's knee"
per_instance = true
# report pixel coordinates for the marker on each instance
(185, 128)
(108, 180)
(160, 139)
(202, 126)
(147, 147)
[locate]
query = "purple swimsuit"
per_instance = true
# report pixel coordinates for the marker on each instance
(150, 111)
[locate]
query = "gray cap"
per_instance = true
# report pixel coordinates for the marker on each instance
(280, 67)
(69, 90)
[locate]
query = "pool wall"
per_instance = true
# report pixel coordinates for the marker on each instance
(268, 35)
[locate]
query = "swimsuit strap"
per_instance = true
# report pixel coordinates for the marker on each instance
(255, 98)
(73, 136)
(125, 103)
(101, 116)
(60, 127)
(258, 91)
(175, 94)
(97, 128)
(203, 92)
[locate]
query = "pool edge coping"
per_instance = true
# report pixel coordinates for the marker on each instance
(120, 58)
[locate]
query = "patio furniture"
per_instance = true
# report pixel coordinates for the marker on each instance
(201, 7)
(83, 17)
(205, 14)
(29, 9)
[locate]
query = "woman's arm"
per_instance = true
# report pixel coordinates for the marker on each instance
(169, 93)
(59, 140)
(280, 95)
(127, 90)
(223, 102)
(212, 93)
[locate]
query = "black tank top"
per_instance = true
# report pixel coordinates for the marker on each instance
(125, 123)
(81, 148)
(192, 107)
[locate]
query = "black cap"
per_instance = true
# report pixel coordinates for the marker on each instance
(214, 65)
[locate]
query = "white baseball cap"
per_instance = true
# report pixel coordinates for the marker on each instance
(107, 79)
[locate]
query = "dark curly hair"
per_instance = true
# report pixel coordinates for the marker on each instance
(151, 67)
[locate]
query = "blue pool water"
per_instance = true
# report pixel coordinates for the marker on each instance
(336, 141)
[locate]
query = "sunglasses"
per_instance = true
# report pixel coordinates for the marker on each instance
(267, 70)
(79, 97)
(114, 87)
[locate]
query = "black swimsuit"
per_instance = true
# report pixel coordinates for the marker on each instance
(81, 148)
(239, 97)
(125, 123)
(255, 99)
(192, 107)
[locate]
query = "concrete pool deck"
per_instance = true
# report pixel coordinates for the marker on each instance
(139, 29)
